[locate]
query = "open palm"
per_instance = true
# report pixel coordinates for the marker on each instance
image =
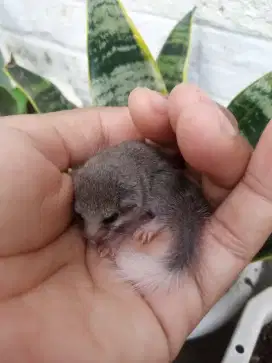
(59, 302)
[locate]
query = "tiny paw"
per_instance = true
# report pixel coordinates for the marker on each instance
(103, 251)
(106, 252)
(144, 236)
(112, 252)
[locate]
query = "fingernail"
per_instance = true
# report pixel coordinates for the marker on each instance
(231, 118)
(159, 101)
(226, 125)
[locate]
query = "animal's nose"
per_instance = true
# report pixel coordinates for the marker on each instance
(95, 234)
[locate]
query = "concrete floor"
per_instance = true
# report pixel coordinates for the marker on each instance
(211, 348)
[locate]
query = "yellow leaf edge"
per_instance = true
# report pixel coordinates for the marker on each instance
(26, 94)
(142, 44)
(185, 70)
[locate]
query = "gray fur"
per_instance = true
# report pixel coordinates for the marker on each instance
(136, 174)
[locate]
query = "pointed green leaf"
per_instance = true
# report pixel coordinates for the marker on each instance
(21, 100)
(43, 95)
(118, 58)
(8, 104)
(11, 100)
(174, 55)
(253, 108)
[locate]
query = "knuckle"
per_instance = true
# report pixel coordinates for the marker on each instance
(104, 134)
(227, 235)
(222, 233)
(257, 186)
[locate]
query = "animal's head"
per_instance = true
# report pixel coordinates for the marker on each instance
(104, 200)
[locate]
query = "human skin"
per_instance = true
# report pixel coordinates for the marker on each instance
(59, 301)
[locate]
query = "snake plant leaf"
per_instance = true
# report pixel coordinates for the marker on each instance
(43, 95)
(253, 108)
(174, 55)
(8, 104)
(118, 58)
(21, 100)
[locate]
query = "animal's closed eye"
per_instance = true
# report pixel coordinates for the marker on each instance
(110, 219)
(126, 208)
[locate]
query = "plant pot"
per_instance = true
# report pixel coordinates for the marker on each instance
(257, 314)
(231, 302)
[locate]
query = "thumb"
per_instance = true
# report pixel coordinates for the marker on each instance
(209, 139)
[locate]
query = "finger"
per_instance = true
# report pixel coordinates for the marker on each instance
(214, 193)
(35, 197)
(237, 231)
(229, 116)
(39, 265)
(150, 115)
(240, 226)
(69, 137)
(206, 137)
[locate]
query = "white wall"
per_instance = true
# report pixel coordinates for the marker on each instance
(232, 40)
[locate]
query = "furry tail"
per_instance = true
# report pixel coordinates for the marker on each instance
(146, 273)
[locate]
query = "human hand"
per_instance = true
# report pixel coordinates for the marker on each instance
(59, 301)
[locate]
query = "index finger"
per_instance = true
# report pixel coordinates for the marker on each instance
(208, 138)
(67, 138)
